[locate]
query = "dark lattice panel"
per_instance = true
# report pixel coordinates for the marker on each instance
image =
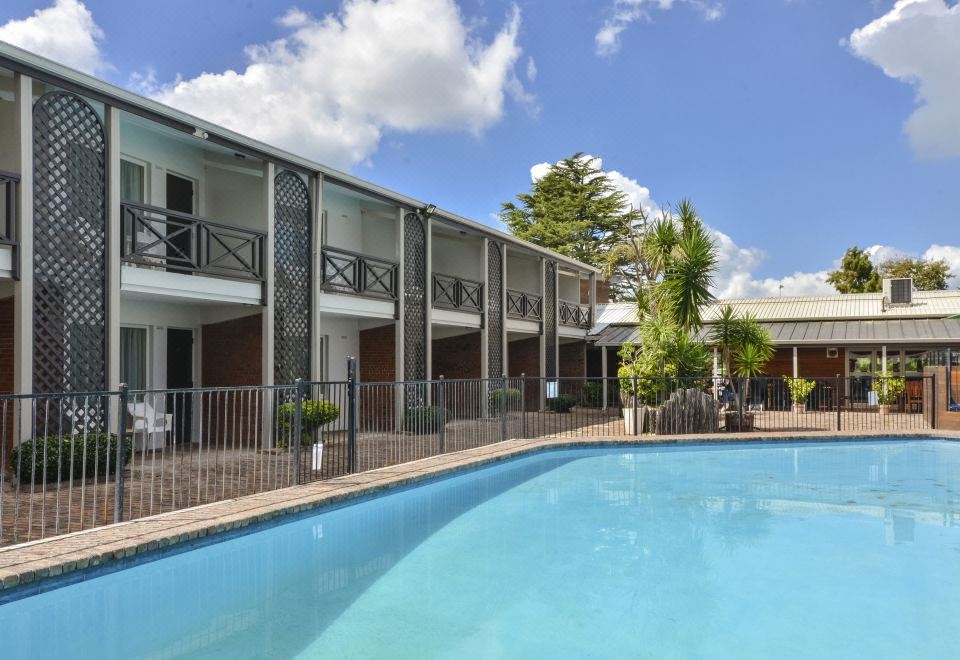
(494, 310)
(292, 279)
(550, 317)
(414, 298)
(69, 246)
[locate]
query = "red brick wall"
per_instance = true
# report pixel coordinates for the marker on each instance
(573, 360)
(458, 357)
(231, 355)
(6, 346)
(811, 363)
(378, 354)
(378, 363)
(603, 291)
(523, 357)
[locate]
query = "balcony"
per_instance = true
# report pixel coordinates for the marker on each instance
(574, 314)
(9, 246)
(524, 305)
(457, 293)
(181, 255)
(357, 274)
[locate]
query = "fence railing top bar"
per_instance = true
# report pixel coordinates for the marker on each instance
(532, 294)
(204, 390)
(359, 255)
(458, 278)
(9, 176)
(60, 395)
(159, 210)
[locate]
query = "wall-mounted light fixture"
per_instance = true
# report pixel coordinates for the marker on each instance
(428, 210)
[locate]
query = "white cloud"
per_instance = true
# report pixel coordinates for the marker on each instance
(950, 254)
(918, 42)
(333, 85)
(531, 70)
(625, 12)
(65, 32)
(637, 195)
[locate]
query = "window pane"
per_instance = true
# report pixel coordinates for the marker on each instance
(131, 182)
(133, 357)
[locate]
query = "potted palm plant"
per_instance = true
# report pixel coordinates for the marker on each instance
(746, 347)
(800, 389)
(888, 388)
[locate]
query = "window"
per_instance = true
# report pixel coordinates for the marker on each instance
(132, 182)
(133, 357)
(860, 363)
(893, 362)
(913, 363)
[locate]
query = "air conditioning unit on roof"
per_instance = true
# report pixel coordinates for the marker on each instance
(898, 291)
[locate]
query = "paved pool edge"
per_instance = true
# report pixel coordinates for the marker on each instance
(38, 566)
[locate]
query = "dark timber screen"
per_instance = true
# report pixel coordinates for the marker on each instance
(414, 297)
(550, 317)
(293, 278)
(494, 310)
(69, 255)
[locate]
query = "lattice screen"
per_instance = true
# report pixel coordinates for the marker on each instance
(494, 310)
(292, 278)
(69, 246)
(550, 317)
(414, 298)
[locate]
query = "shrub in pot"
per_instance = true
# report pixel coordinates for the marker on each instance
(424, 419)
(60, 457)
(800, 390)
(889, 388)
(314, 414)
(560, 404)
(500, 397)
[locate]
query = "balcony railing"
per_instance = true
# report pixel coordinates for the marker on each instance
(574, 314)
(524, 305)
(184, 243)
(8, 223)
(359, 274)
(451, 292)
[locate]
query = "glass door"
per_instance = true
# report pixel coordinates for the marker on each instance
(861, 366)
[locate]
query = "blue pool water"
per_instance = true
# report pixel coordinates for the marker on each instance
(845, 550)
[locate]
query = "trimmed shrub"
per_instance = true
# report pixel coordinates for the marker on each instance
(314, 414)
(591, 394)
(500, 397)
(560, 404)
(49, 458)
(424, 419)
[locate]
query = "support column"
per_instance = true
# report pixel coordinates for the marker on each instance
(485, 325)
(883, 359)
(796, 364)
(113, 246)
(428, 295)
(603, 374)
(23, 288)
(543, 335)
(267, 333)
(592, 290)
(316, 255)
(400, 327)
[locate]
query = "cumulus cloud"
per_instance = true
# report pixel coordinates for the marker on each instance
(333, 85)
(918, 42)
(65, 32)
(625, 12)
(949, 253)
(637, 195)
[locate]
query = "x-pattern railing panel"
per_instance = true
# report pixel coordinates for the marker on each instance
(574, 314)
(524, 305)
(160, 237)
(349, 272)
(457, 293)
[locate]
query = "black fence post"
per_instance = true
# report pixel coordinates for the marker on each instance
(636, 422)
(442, 404)
(740, 395)
(352, 413)
(297, 438)
(839, 399)
(118, 466)
(523, 405)
(503, 408)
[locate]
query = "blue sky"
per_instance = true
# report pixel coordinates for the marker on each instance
(789, 133)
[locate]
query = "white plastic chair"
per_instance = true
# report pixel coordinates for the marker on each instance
(147, 426)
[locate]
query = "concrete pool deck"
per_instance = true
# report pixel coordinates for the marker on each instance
(35, 566)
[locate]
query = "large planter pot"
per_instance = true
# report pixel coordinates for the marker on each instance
(734, 424)
(884, 409)
(631, 425)
(316, 456)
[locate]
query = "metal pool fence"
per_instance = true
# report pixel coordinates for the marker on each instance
(73, 461)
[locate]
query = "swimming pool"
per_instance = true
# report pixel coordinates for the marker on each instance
(740, 551)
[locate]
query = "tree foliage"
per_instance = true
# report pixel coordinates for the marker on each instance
(745, 345)
(927, 274)
(857, 274)
(574, 209)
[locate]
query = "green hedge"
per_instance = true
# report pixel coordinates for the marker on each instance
(49, 458)
(424, 419)
(592, 394)
(561, 404)
(498, 397)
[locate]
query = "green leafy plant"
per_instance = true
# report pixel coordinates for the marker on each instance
(800, 389)
(889, 388)
(59, 457)
(314, 414)
(591, 394)
(561, 404)
(500, 397)
(424, 419)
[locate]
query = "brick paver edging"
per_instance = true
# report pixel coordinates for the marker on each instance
(38, 566)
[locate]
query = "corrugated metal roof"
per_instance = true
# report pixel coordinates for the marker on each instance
(926, 304)
(617, 335)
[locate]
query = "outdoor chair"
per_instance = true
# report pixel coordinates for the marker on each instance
(148, 428)
(914, 396)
